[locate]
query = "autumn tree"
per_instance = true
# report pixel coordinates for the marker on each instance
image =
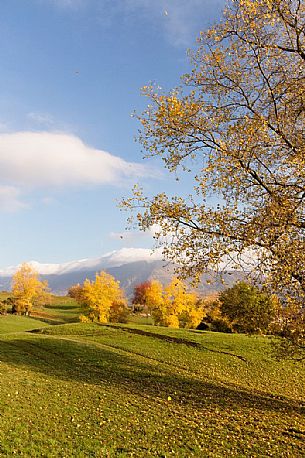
(248, 309)
(28, 290)
(151, 294)
(75, 291)
(181, 307)
(3, 308)
(172, 305)
(103, 299)
(237, 125)
(139, 295)
(212, 317)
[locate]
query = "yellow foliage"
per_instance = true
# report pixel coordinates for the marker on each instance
(174, 306)
(241, 118)
(28, 290)
(170, 321)
(154, 295)
(103, 298)
(84, 319)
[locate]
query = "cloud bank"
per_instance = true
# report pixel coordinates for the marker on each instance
(43, 159)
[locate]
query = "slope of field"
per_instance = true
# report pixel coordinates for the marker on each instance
(62, 309)
(13, 324)
(85, 390)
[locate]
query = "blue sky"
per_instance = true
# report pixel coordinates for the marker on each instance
(71, 74)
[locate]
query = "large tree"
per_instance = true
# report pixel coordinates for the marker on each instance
(237, 124)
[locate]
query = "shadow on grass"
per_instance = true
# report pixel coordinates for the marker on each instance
(62, 307)
(172, 339)
(88, 363)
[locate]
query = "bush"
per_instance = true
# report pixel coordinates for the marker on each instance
(221, 325)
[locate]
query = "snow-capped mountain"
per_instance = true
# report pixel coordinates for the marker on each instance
(111, 259)
(130, 266)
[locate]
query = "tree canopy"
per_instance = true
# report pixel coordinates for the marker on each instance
(102, 299)
(172, 305)
(248, 308)
(28, 290)
(237, 125)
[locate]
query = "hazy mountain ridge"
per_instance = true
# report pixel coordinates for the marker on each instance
(129, 274)
(112, 259)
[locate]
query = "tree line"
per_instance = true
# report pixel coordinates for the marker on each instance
(240, 308)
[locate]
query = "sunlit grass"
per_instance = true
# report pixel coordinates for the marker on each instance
(130, 390)
(12, 323)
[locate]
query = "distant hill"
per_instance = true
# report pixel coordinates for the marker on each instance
(129, 274)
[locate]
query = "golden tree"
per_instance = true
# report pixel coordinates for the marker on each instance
(173, 306)
(28, 290)
(152, 297)
(181, 306)
(238, 127)
(103, 299)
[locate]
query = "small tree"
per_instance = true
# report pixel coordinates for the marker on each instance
(248, 308)
(118, 312)
(76, 292)
(103, 299)
(173, 306)
(139, 299)
(289, 327)
(153, 299)
(28, 290)
(182, 307)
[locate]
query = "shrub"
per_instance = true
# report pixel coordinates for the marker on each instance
(221, 325)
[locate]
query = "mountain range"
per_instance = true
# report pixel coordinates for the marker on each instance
(130, 266)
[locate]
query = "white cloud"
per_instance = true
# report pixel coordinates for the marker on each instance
(9, 199)
(44, 159)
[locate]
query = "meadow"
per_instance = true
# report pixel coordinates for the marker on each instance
(89, 390)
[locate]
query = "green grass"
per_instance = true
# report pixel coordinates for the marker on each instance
(85, 390)
(140, 319)
(12, 324)
(62, 309)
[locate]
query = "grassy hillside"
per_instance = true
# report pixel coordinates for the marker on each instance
(13, 324)
(79, 390)
(62, 309)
